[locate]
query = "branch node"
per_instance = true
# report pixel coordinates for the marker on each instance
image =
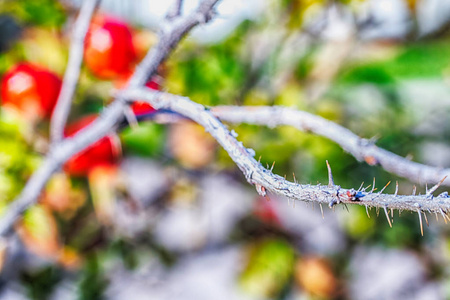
(261, 190)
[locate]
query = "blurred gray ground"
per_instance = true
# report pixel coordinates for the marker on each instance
(208, 267)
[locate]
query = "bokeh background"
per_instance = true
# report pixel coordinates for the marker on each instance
(175, 219)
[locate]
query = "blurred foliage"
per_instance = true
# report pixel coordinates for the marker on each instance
(40, 283)
(49, 13)
(17, 159)
(147, 139)
(269, 268)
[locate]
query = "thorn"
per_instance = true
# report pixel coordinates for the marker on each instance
(387, 217)
(360, 187)
(414, 190)
(373, 186)
(273, 165)
(330, 176)
(367, 212)
(131, 117)
(284, 176)
(426, 219)
(364, 189)
(434, 188)
(387, 184)
(437, 219)
(378, 211)
(446, 215)
(332, 204)
(295, 180)
(396, 189)
(259, 159)
(420, 221)
(321, 210)
(426, 188)
(392, 214)
(345, 205)
(443, 215)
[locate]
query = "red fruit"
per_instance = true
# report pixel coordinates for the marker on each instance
(106, 151)
(31, 90)
(109, 48)
(141, 107)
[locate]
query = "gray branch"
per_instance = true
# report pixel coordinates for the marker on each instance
(111, 116)
(175, 9)
(362, 149)
(264, 180)
(70, 81)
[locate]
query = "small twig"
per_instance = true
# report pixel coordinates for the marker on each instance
(70, 81)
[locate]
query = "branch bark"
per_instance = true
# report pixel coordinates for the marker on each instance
(264, 180)
(362, 149)
(62, 108)
(175, 9)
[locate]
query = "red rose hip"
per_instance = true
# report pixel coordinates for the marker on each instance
(109, 48)
(106, 151)
(31, 90)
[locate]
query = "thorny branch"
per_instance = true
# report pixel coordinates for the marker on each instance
(362, 149)
(112, 115)
(265, 180)
(70, 81)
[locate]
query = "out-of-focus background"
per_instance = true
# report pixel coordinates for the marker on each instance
(174, 218)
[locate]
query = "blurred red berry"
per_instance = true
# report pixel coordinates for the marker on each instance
(109, 48)
(139, 107)
(31, 90)
(106, 151)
